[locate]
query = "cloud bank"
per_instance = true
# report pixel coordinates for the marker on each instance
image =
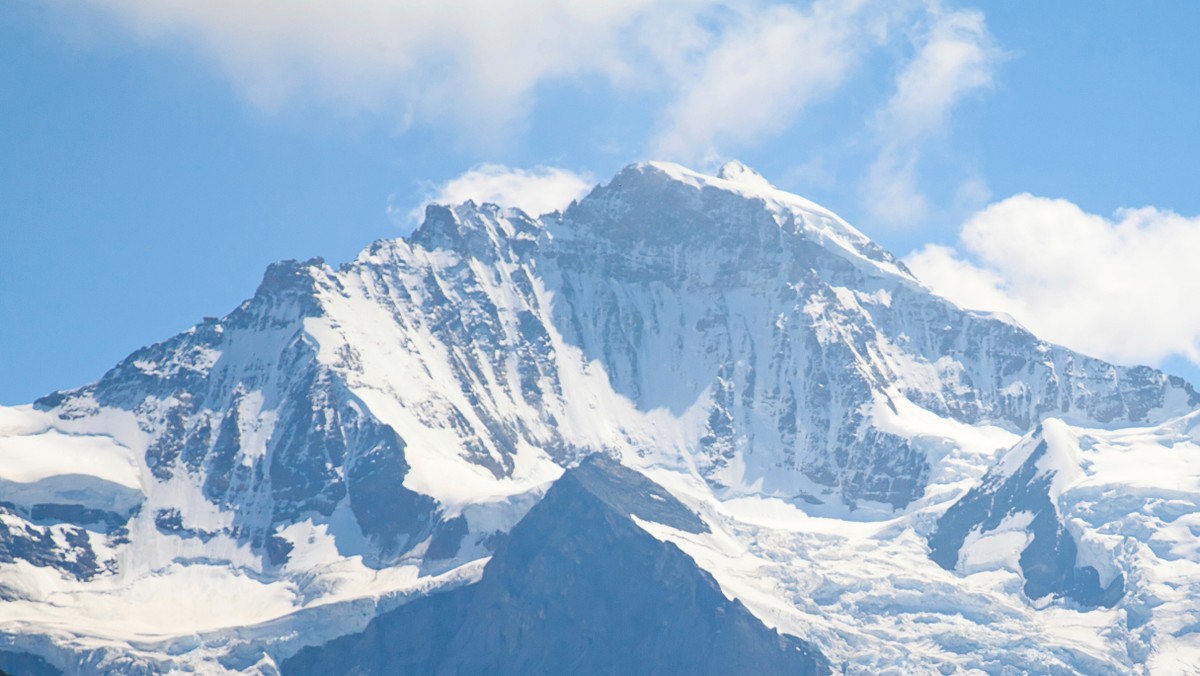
(1124, 288)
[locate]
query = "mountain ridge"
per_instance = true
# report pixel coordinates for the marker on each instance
(354, 432)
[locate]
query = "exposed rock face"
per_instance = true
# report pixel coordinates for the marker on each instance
(1022, 489)
(798, 326)
(783, 323)
(375, 430)
(25, 664)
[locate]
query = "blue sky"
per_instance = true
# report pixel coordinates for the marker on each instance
(156, 155)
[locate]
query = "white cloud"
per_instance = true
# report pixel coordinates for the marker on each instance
(535, 191)
(474, 62)
(766, 68)
(956, 57)
(1123, 288)
(723, 74)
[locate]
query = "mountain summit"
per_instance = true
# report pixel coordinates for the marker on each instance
(724, 381)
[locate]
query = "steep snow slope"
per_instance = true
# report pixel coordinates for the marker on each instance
(800, 330)
(1103, 517)
(350, 438)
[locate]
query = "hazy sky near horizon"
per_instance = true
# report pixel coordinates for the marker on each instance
(155, 155)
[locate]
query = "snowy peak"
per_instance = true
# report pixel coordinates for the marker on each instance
(1014, 519)
(1051, 452)
(736, 172)
(371, 432)
(485, 232)
(670, 222)
(1092, 517)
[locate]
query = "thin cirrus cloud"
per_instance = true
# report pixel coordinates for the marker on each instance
(764, 71)
(474, 62)
(726, 75)
(535, 191)
(1123, 288)
(956, 57)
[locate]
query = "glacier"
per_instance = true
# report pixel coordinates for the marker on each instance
(840, 464)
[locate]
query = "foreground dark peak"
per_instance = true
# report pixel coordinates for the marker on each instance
(578, 588)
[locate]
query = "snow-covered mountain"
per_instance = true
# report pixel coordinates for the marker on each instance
(789, 417)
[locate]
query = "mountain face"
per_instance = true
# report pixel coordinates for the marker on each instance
(1018, 496)
(833, 452)
(576, 587)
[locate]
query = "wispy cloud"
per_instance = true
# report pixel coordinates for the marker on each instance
(472, 62)
(768, 66)
(725, 75)
(956, 57)
(1123, 288)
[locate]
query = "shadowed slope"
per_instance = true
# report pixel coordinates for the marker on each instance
(577, 588)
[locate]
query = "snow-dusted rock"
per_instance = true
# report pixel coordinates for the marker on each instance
(353, 437)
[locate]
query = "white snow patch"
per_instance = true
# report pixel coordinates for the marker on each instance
(30, 458)
(999, 548)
